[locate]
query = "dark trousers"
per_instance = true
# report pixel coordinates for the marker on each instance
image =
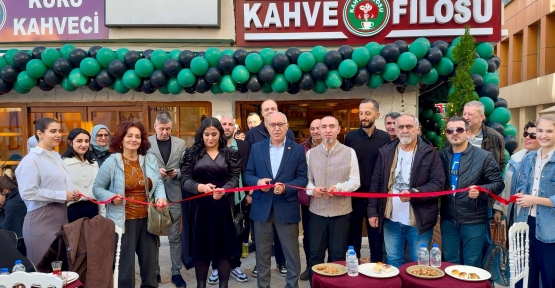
(137, 240)
(278, 252)
(375, 237)
(305, 213)
(81, 209)
(327, 233)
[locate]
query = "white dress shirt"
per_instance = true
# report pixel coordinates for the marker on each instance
(82, 176)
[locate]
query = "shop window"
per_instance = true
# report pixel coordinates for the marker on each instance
(69, 118)
(112, 116)
(11, 136)
(186, 118)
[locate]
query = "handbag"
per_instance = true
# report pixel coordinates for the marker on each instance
(497, 259)
(158, 221)
(238, 220)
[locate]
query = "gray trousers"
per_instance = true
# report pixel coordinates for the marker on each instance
(289, 236)
(174, 237)
(136, 239)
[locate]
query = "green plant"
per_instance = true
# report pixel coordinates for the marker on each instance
(463, 86)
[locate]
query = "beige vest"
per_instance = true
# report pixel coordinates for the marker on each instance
(328, 168)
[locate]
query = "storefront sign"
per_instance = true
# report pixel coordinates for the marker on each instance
(51, 20)
(307, 23)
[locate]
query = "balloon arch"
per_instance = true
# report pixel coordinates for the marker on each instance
(421, 63)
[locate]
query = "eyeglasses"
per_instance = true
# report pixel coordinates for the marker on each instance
(532, 135)
(279, 125)
(408, 126)
(459, 130)
(102, 135)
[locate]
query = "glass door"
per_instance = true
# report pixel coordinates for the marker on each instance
(69, 118)
(347, 115)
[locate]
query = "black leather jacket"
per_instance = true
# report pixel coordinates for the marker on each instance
(100, 156)
(476, 167)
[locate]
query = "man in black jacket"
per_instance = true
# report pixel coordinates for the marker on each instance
(464, 215)
(407, 165)
(12, 210)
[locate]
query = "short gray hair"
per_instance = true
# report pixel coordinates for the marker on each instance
(278, 113)
(476, 104)
(392, 115)
(416, 122)
(163, 117)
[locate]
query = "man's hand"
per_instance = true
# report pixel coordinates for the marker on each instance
(117, 201)
(160, 204)
(404, 199)
(374, 222)
(173, 173)
(248, 198)
(262, 182)
(318, 192)
(279, 188)
(163, 173)
(473, 192)
(497, 216)
(331, 189)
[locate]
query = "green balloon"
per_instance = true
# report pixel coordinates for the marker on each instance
(489, 105)
(77, 78)
(431, 77)
(26, 81)
(104, 56)
(267, 55)
(437, 141)
(427, 113)
(455, 41)
(293, 73)
(445, 66)
(120, 53)
(240, 74)
(280, 52)
(476, 96)
(319, 53)
(35, 68)
(253, 62)
(174, 54)
(320, 87)
(144, 68)
(48, 56)
(212, 55)
(267, 88)
(21, 90)
(374, 48)
(436, 117)
(174, 87)
(407, 61)
(228, 52)
(501, 115)
(89, 66)
(186, 77)
(334, 80)
(66, 50)
(120, 87)
(480, 66)
(413, 79)
(279, 85)
(485, 50)
(306, 61)
(10, 53)
(510, 130)
(158, 58)
(426, 41)
(215, 89)
(418, 48)
(449, 54)
(131, 80)
(491, 78)
(361, 56)
(430, 135)
(391, 72)
(442, 123)
(199, 65)
(227, 84)
(375, 82)
(164, 90)
(66, 84)
(507, 158)
(3, 62)
(348, 68)
(451, 90)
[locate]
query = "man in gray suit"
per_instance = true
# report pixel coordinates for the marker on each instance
(168, 151)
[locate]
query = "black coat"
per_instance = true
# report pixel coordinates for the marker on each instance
(476, 167)
(100, 156)
(260, 133)
(13, 213)
(427, 175)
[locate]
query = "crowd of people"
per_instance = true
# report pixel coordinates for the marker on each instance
(297, 182)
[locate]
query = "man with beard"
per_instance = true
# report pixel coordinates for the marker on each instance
(389, 122)
(366, 141)
(407, 165)
(253, 120)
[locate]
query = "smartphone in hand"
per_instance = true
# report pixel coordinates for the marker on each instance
(170, 170)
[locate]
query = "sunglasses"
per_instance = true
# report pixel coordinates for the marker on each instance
(532, 135)
(459, 130)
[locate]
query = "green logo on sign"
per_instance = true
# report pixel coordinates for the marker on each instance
(366, 17)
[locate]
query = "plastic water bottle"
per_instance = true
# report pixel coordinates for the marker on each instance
(18, 266)
(352, 264)
(4, 272)
(423, 255)
(351, 248)
(435, 256)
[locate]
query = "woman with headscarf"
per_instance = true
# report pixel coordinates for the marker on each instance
(100, 142)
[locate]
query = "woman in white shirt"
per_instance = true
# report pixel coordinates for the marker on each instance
(82, 170)
(45, 187)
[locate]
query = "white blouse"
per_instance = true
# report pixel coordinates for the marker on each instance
(82, 176)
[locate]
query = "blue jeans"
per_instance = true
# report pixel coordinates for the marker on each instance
(471, 236)
(395, 237)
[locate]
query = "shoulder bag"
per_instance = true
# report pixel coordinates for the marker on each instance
(497, 258)
(158, 221)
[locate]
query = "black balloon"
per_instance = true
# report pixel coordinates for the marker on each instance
(201, 86)
(20, 60)
(485, 121)
(172, 67)
(226, 64)
(130, 58)
(496, 60)
(434, 55)
(497, 127)
(93, 85)
(239, 55)
(104, 79)
(402, 45)
(9, 73)
(117, 68)
(200, 54)
(147, 87)
(159, 79)
(423, 67)
(280, 62)
(491, 66)
(5, 86)
(293, 54)
(478, 81)
(390, 52)
(347, 85)
(254, 84)
(242, 88)
(320, 71)
(138, 89)
(93, 50)
(510, 144)
(44, 86)
(190, 90)
(62, 66)
(501, 103)
(76, 56)
(402, 79)
(441, 45)
(294, 88)
(37, 52)
(376, 64)
(490, 90)
(267, 74)
(307, 81)
(213, 75)
(333, 59)
(185, 58)
(346, 51)
(147, 53)
(52, 78)
(436, 110)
